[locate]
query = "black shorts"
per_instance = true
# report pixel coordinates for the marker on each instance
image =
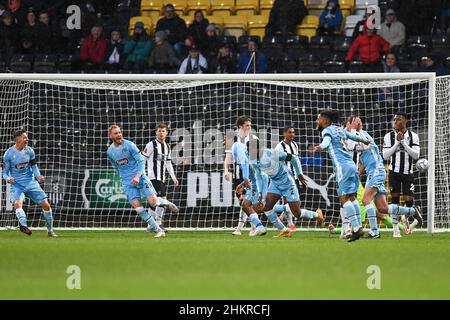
(402, 184)
(160, 188)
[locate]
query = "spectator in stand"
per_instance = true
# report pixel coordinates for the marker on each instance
(194, 63)
(29, 37)
(417, 15)
(252, 60)
(197, 30)
(9, 35)
(18, 11)
(162, 58)
(392, 30)
(331, 19)
(93, 48)
(311, 158)
(390, 94)
(114, 56)
(370, 47)
(390, 63)
(432, 63)
(174, 26)
(48, 35)
(284, 17)
(137, 49)
(225, 62)
(210, 47)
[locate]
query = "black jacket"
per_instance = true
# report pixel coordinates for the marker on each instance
(285, 16)
(175, 28)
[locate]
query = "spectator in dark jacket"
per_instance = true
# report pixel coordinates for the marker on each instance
(432, 63)
(93, 48)
(174, 26)
(211, 45)
(284, 17)
(18, 11)
(114, 56)
(369, 46)
(29, 37)
(225, 62)
(138, 49)
(197, 30)
(48, 34)
(9, 35)
(163, 57)
(331, 19)
(252, 61)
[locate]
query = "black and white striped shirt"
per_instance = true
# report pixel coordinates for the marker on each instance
(290, 148)
(158, 155)
(354, 147)
(401, 161)
(237, 172)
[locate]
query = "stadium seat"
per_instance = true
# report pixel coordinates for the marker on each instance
(446, 62)
(407, 65)
(265, 6)
(234, 26)
(45, 63)
(334, 67)
(273, 41)
(315, 7)
(147, 21)
(355, 66)
(257, 25)
(65, 63)
(361, 6)
(217, 20)
(342, 44)
(440, 45)
(229, 40)
(307, 31)
(222, 8)
(347, 7)
(193, 5)
(296, 42)
(246, 7)
(179, 5)
(21, 63)
(311, 20)
(418, 46)
(151, 8)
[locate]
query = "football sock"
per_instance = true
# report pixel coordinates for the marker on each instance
(48, 217)
(20, 214)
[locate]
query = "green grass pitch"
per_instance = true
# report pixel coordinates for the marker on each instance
(216, 265)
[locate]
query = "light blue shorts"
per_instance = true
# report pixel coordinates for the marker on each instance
(349, 182)
(33, 190)
(142, 190)
(287, 190)
(377, 181)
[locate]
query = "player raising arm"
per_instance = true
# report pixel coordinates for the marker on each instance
(21, 171)
(345, 169)
(129, 163)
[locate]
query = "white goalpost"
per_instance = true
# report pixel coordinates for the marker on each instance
(67, 116)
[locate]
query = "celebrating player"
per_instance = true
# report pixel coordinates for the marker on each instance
(282, 183)
(21, 171)
(345, 169)
(401, 148)
(159, 161)
(243, 135)
(289, 146)
(129, 163)
(375, 190)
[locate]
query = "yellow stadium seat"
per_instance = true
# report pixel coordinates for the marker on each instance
(247, 7)
(217, 20)
(154, 15)
(222, 8)
(265, 6)
(234, 26)
(203, 5)
(180, 6)
(147, 21)
(315, 7)
(347, 7)
(311, 20)
(148, 5)
(306, 30)
(257, 25)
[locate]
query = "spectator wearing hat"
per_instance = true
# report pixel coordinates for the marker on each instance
(225, 62)
(197, 30)
(210, 46)
(137, 49)
(252, 60)
(331, 19)
(370, 47)
(162, 58)
(392, 30)
(432, 63)
(114, 56)
(194, 63)
(93, 48)
(174, 26)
